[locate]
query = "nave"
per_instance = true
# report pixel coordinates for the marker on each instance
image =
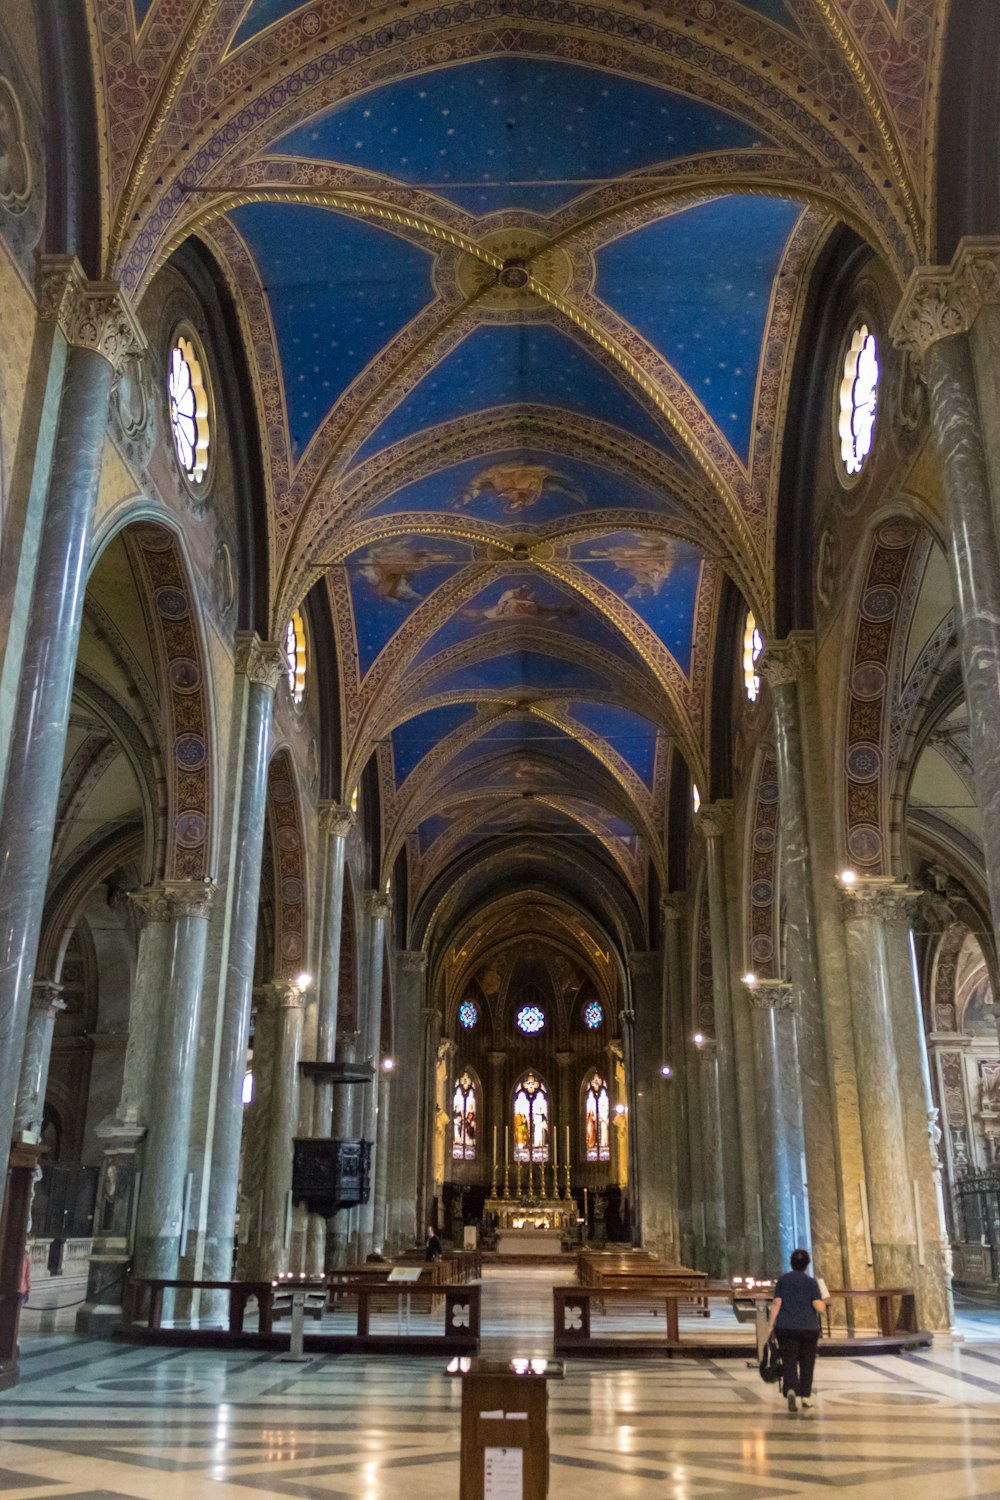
(191, 1424)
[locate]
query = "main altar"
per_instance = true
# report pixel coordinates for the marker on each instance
(529, 1214)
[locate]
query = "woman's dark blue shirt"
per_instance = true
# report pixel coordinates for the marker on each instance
(798, 1292)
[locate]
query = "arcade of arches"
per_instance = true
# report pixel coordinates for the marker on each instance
(500, 629)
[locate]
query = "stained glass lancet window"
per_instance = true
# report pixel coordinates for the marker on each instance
(597, 1120)
(858, 399)
(753, 645)
(463, 1116)
(531, 1120)
(530, 1019)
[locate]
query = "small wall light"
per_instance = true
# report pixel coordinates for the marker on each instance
(666, 1070)
(699, 1039)
(749, 979)
(619, 1109)
(388, 1063)
(848, 877)
(303, 981)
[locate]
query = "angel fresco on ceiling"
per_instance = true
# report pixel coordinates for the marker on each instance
(521, 603)
(648, 560)
(519, 486)
(390, 568)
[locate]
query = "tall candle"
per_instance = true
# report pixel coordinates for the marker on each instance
(567, 1145)
(506, 1145)
(555, 1149)
(494, 1145)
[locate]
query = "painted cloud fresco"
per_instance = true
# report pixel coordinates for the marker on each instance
(657, 576)
(389, 579)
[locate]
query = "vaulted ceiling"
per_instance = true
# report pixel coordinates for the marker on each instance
(520, 283)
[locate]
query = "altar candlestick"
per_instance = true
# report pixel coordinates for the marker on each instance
(506, 1144)
(555, 1149)
(494, 1147)
(567, 1145)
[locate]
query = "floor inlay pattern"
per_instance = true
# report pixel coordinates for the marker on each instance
(105, 1421)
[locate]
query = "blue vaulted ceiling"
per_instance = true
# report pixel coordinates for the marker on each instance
(698, 285)
(509, 131)
(521, 357)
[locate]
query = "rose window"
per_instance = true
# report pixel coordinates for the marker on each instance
(593, 1015)
(468, 1014)
(858, 399)
(530, 1019)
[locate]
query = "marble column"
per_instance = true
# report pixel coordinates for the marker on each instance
(431, 1036)
(97, 325)
(823, 1023)
(272, 1125)
(676, 1086)
(653, 1147)
(714, 823)
(383, 1138)
(377, 908)
(259, 665)
(885, 1191)
(46, 1003)
(715, 1250)
(779, 1121)
(346, 1127)
(335, 824)
(408, 1102)
(184, 908)
(901, 1163)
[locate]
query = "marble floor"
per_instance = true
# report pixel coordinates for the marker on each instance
(98, 1420)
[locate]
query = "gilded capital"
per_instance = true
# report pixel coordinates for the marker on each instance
(174, 898)
(95, 315)
(783, 662)
(770, 994)
(879, 897)
(259, 661)
(335, 819)
(715, 819)
(943, 300)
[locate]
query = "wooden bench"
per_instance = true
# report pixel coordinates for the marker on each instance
(239, 1293)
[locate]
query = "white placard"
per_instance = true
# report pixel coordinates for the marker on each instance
(504, 1474)
(405, 1273)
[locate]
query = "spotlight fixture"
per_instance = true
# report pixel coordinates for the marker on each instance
(848, 877)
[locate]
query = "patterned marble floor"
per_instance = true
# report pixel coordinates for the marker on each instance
(103, 1421)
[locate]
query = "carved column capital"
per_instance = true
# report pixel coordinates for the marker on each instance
(708, 1050)
(564, 1059)
(277, 996)
(412, 960)
(336, 820)
(786, 661)
(46, 997)
(378, 905)
(174, 898)
(940, 301)
(770, 994)
(497, 1059)
(715, 818)
(259, 661)
(95, 315)
(674, 906)
(876, 896)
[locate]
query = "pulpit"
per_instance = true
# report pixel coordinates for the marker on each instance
(328, 1175)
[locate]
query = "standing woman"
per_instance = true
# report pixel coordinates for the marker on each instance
(795, 1319)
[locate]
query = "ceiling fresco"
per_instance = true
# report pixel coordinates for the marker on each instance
(520, 295)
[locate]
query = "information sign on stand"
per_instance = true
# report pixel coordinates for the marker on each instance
(504, 1474)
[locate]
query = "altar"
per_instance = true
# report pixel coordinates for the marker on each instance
(531, 1226)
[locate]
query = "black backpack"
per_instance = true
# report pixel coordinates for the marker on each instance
(770, 1363)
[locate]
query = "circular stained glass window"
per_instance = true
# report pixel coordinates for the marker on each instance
(530, 1019)
(187, 391)
(858, 399)
(295, 656)
(468, 1014)
(593, 1015)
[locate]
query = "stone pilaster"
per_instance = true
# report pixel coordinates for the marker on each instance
(99, 329)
